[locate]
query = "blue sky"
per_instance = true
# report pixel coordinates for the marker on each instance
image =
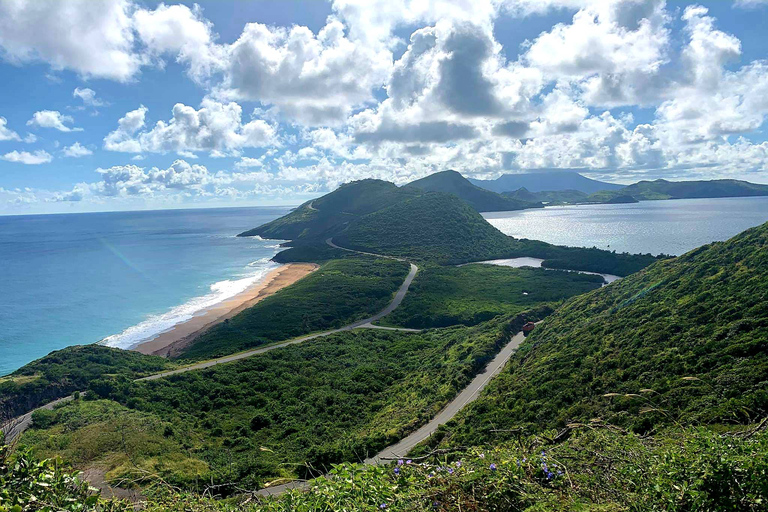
(273, 102)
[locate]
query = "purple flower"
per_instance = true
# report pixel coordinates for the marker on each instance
(400, 462)
(397, 471)
(493, 466)
(408, 461)
(458, 463)
(549, 475)
(383, 506)
(450, 471)
(482, 455)
(559, 472)
(431, 475)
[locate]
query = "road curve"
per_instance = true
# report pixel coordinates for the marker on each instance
(401, 448)
(15, 427)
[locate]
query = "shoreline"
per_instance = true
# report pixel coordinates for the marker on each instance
(172, 341)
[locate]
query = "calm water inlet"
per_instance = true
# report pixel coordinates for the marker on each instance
(657, 227)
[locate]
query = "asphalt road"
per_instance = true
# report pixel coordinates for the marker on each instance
(401, 449)
(15, 427)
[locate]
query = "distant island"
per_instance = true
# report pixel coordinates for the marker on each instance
(555, 188)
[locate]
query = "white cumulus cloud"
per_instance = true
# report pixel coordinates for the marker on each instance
(53, 119)
(25, 157)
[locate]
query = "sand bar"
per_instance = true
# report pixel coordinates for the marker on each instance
(172, 341)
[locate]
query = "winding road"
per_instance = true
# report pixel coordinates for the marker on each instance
(14, 428)
(401, 448)
(17, 426)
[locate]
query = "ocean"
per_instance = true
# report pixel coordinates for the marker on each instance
(120, 277)
(657, 227)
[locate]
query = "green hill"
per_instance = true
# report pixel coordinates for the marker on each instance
(548, 196)
(663, 189)
(328, 214)
(482, 200)
(684, 340)
(433, 226)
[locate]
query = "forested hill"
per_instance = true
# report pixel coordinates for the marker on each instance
(433, 226)
(663, 189)
(685, 340)
(330, 213)
(377, 216)
(480, 199)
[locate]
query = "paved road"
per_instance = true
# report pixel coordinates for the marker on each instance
(15, 427)
(401, 449)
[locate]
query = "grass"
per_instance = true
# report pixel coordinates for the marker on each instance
(338, 293)
(273, 415)
(471, 294)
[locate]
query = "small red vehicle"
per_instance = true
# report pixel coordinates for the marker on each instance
(527, 328)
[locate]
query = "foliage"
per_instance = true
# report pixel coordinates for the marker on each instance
(549, 197)
(338, 293)
(29, 484)
(471, 294)
(482, 200)
(663, 189)
(327, 215)
(433, 227)
(595, 469)
(684, 340)
(64, 371)
(277, 414)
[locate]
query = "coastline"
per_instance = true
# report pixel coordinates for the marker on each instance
(172, 341)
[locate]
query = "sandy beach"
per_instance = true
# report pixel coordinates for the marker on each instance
(174, 340)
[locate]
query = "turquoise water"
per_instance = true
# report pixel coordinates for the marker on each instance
(656, 227)
(123, 276)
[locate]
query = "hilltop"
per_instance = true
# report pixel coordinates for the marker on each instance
(545, 181)
(482, 200)
(330, 213)
(444, 228)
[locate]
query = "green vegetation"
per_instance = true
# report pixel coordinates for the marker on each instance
(65, 371)
(482, 200)
(434, 226)
(471, 294)
(327, 215)
(376, 216)
(663, 189)
(685, 340)
(277, 414)
(550, 197)
(594, 469)
(338, 293)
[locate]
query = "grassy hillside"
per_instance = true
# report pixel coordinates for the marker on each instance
(471, 294)
(435, 226)
(338, 293)
(592, 470)
(683, 340)
(62, 372)
(482, 200)
(328, 214)
(277, 414)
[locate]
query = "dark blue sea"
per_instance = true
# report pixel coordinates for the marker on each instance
(119, 277)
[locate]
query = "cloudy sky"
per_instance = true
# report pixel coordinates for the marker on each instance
(123, 104)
